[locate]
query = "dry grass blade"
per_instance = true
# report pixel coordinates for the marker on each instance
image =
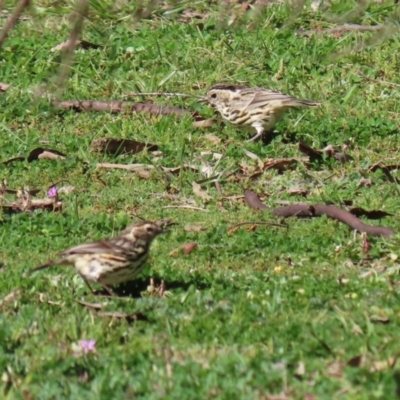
(378, 80)
(198, 191)
(258, 223)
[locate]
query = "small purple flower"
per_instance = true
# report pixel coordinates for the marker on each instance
(84, 347)
(52, 192)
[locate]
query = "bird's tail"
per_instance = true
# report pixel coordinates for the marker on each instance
(299, 103)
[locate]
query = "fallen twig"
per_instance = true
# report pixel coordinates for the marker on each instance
(33, 204)
(342, 28)
(308, 210)
(161, 94)
(116, 106)
(188, 207)
(13, 19)
(258, 223)
(378, 80)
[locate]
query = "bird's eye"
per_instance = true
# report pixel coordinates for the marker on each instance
(149, 229)
(214, 96)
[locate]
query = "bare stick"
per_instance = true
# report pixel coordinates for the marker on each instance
(13, 19)
(342, 28)
(81, 10)
(161, 94)
(187, 207)
(259, 223)
(378, 80)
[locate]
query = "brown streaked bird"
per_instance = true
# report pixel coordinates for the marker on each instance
(256, 107)
(112, 261)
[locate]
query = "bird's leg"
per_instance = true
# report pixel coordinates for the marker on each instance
(260, 130)
(105, 287)
(88, 285)
(108, 290)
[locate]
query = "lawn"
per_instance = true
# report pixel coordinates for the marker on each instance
(305, 311)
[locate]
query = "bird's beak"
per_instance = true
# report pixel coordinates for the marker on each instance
(166, 224)
(202, 99)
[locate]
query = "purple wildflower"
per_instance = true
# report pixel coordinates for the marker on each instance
(84, 347)
(52, 192)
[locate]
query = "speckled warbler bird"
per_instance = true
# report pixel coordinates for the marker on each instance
(256, 108)
(112, 261)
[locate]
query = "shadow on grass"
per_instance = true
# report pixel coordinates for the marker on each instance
(140, 287)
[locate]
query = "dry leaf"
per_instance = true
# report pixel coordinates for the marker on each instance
(233, 230)
(78, 43)
(356, 361)
(300, 369)
(41, 152)
(4, 87)
(298, 191)
(212, 138)
(186, 248)
(335, 369)
(342, 157)
(383, 365)
(309, 396)
(251, 155)
(277, 397)
(144, 174)
(10, 297)
(190, 15)
(205, 123)
(189, 247)
(380, 317)
(66, 189)
(234, 198)
(282, 164)
(215, 156)
(198, 191)
(356, 330)
(364, 182)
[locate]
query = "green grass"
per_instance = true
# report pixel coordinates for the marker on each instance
(246, 309)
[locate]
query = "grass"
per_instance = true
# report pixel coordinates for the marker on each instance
(250, 314)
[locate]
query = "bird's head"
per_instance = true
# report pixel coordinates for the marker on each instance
(220, 94)
(147, 230)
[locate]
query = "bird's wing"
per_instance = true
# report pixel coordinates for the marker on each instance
(263, 97)
(101, 246)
